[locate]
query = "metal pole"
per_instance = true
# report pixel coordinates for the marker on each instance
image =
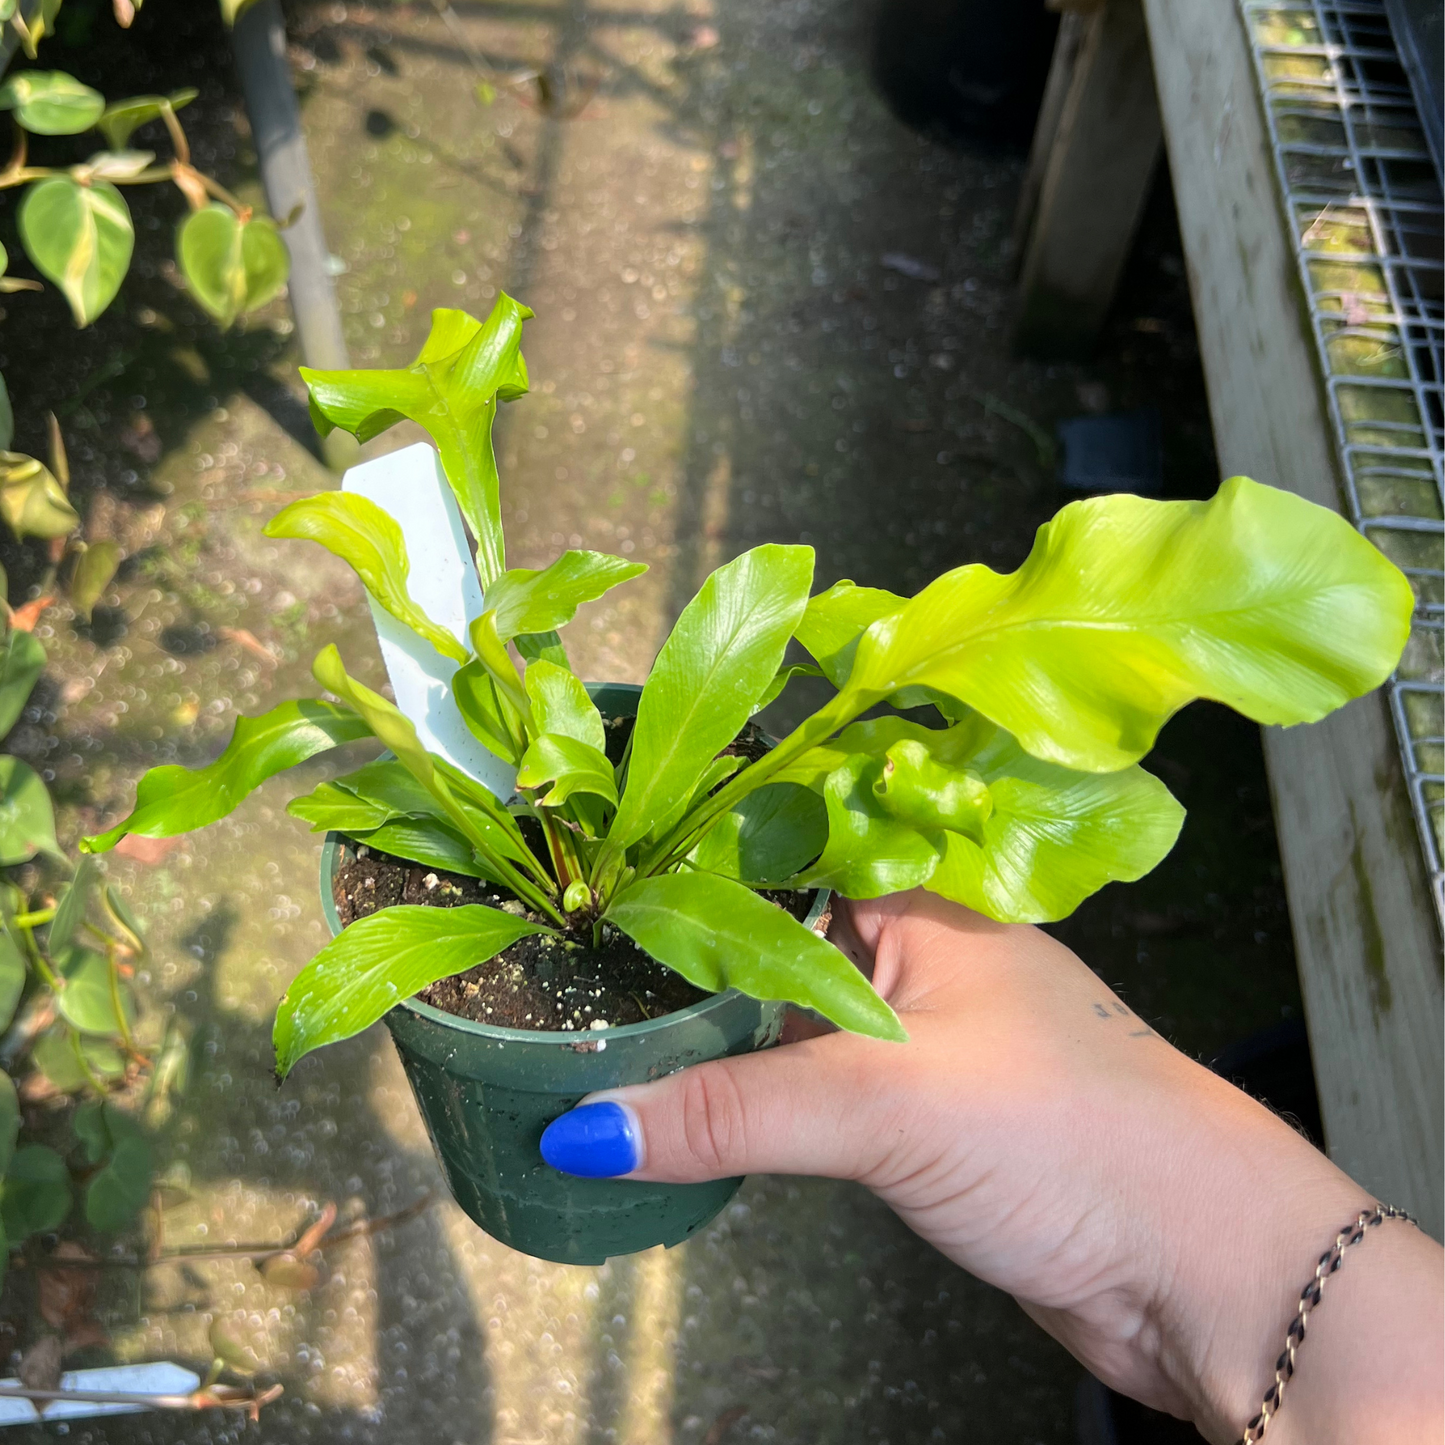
(259, 41)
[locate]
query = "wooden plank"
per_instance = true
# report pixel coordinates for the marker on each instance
(1104, 150)
(1365, 929)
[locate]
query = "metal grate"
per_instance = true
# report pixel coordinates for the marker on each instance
(1363, 200)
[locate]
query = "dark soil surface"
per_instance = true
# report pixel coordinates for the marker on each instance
(541, 982)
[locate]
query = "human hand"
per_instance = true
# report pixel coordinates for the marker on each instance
(1154, 1219)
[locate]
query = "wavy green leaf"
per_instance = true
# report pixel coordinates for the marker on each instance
(718, 934)
(538, 600)
(27, 818)
(561, 704)
(173, 799)
(485, 710)
(22, 660)
(452, 389)
(378, 962)
(81, 237)
(836, 619)
(717, 662)
(869, 852)
(1054, 836)
(50, 102)
(570, 766)
(784, 676)
(1127, 609)
(370, 540)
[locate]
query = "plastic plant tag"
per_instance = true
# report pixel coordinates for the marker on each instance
(410, 485)
(158, 1379)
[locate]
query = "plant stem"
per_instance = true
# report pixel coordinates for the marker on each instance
(35, 919)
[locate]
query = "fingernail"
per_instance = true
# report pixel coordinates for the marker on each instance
(594, 1141)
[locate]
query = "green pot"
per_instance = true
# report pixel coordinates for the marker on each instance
(487, 1093)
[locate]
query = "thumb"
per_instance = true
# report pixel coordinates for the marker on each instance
(805, 1108)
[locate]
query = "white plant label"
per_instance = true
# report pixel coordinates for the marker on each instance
(411, 486)
(163, 1379)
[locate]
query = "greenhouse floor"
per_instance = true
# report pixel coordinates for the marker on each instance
(765, 310)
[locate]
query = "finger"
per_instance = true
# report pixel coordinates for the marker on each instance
(807, 1108)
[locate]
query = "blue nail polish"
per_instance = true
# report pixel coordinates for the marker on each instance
(594, 1141)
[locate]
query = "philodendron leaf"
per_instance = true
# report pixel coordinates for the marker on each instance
(32, 501)
(354, 528)
(9, 1120)
(712, 669)
(768, 837)
(70, 913)
(231, 265)
(173, 799)
(1054, 836)
(836, 619)
(37, 1193)
(122, 118)
(452, 389)
(50, 102)
(13, 968)
(570, 766)
(91, 1000)
(113, 166)
(80, 237)
(718, 934)
(116, 1194)
(1127, 609)
(527, 600)
(22, 660)
(378, 962)
(94, 572)
(27, 819)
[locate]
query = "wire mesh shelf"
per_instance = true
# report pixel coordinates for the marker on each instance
(1363, 201)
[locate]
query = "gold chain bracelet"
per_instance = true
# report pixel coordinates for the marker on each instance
(1330, 1261)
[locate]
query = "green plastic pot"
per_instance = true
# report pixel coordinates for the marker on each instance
(487, 1093)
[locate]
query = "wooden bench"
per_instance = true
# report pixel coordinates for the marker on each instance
(1131, 77)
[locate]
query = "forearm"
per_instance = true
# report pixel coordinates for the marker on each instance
(1263, 1209)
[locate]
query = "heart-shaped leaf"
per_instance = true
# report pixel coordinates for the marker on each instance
(50, 102)
(232, 266)
(94, 571)
(81, 237)
(32, 501)
(22, 659)
(93, 1001)
(123, 117)
(27, 819)
(37, 1193)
